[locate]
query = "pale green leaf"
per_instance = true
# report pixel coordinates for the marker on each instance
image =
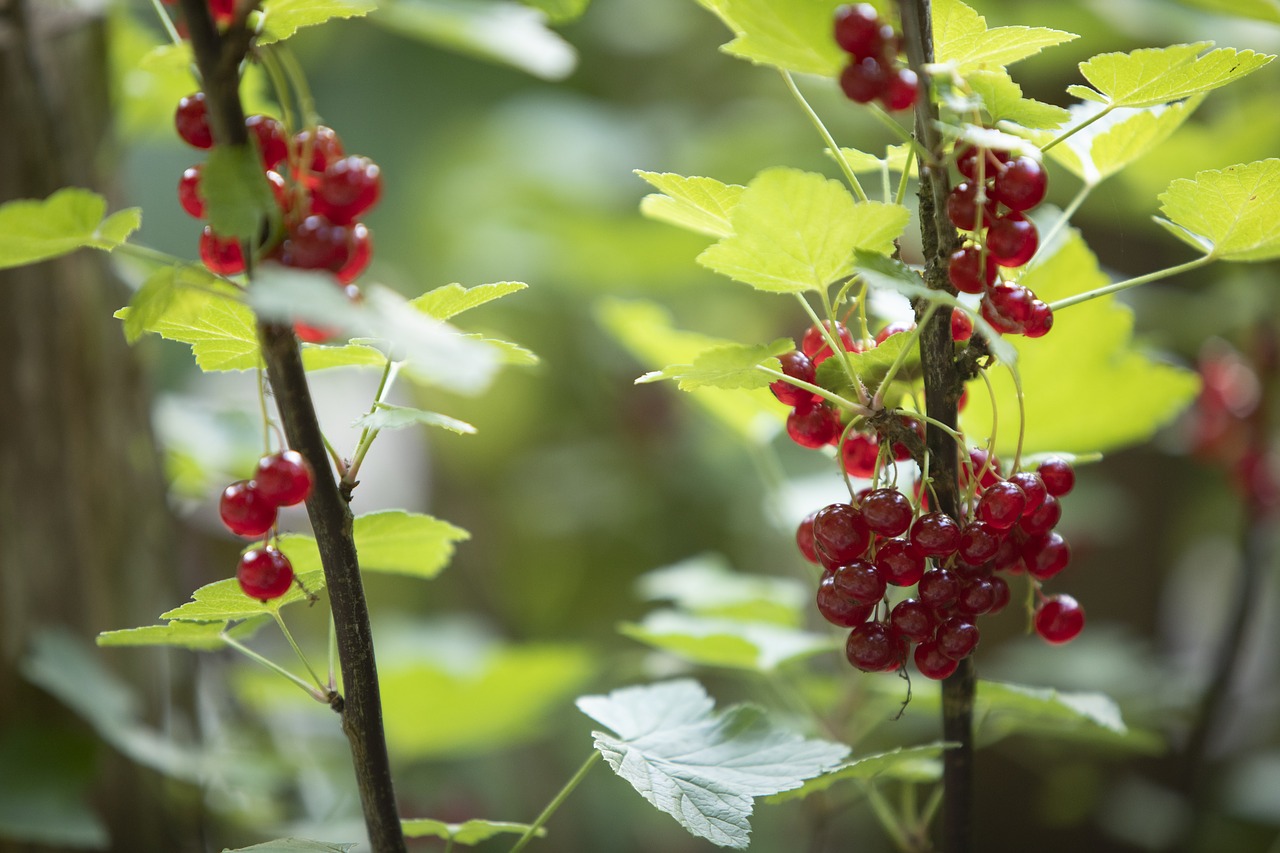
(387, 416)
(701, 767)
(1236, 210)
(1262, 10)
(733, 366)
(221, 330)
(560, 11)
(199, 636)
(916, 764)
(498, 31)
(795, 231)
(450, 300)
(644, 329)
(707, 586)
(223, 601)
(790, 34)
(156, 295)
(33, 230)
(236, 194)
(961, 38)
(712, 641)
(1080, 374)
(1150, 76)
(896, 158)
(406, 543)
(1003, 101)
(319, 357)
(283, 18)
(292, 845)
(1112, 142)
(508, 352)
(703, 205)
(468, 833)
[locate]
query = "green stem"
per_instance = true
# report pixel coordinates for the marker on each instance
(829, 396)
(877, 401)
(1063, 219)
(557, 801)
(888, 818)
(288, 635)
(1079, 127)
(167, 23)
(368, 435)
(1131, 282)
(906, 178)
(898, 130)
(1022, 415)
(849, 175)
(280, 83)
(273, 666)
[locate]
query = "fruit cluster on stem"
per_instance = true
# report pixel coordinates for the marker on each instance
(248, 508)
(874, 71)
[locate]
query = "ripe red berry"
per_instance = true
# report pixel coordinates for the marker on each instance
(1046, 555)
(893, 329)
(979, 542)
(887, 512)
(1043, 519)
(189, 192)
(872, 647)
(862, 81)
(998, 321)
(838, 608)
(935, 534)
(315, 243)
(325, 147)
(1012, 301)
(1058, 475)
(1059, 619)
(858, 454)
(1021, 184)
(192, 121)
(932, 663)
(359, 253)
(1001, 594)
(962, 206)
(899, 563)
(857, 30)
(245, 511)
(273, 147)
(912, 620)
(860, 581)
(348, 187)
(983, 466)
(798, 366)
(963, 270)
(1001, 505)
(840, 535)
(813, 425)
(978, 596)
(804, 538)
(221, 255)
(939, 588)
(900, 90)
(992, 161)
(1040, 321)
(957, 637)
(1012, 240)
(264, 573)
(814, 344)
(1032, 487)
(284, 478)
(961, 325)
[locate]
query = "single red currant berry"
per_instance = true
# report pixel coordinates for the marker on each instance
(862, 81)
(984, 466)
(221, 255)
(1043, 519)
(901, 90)
(273, 147)
(1046, 555)
(1012, 302)
(939, 588)
(1059, 619)
(860, 581)
(979, 542)
(899, 563)
(192, 121)
(348, 187)
(961, 325)
(1040, 320)
(245, 511)
(189, 192)
(1009, 556)
(969, 157)
(957, 637)
(1059, 478)
(887, 512)
(1032, 487)
(840, 535)
(1001, 505)
(798, 366)
(837, 608)
(997, 321)
(891, 330)
(813, 425)
(978, 596)
(1012, 240)
(963, 270)
(1001, 595)
(912, 620)
(814, 343)
(264, 573)
(315, 243)
(804, 538)
(1021, 184)
(858, 454)
(872, 647)
(962, 207)
(223, 11)
(857, 30)
(359, 252)
(935, 534)
(325, 148)
(932, 663)
(284, 478)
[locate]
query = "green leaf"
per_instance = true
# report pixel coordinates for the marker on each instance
(492, 30)
(223, 601)
(33, 230)
(405, 543)
(1150, 76)
(1002, 99)
(1111, 143)
(961, 38)
(791, 34)
(701, 767)
(707, 586)
(387, 416)
(1262, 10)
(559, 12)
(644, 329)
(220, 329)
(237, 197)
(469, 833)
(292, 845)
(283, 18)
(872, 365)
(896, 158)
(733, 366)
(702, 205)
(198, 636)
(450, 300)
(795, 231)
(708, 641)
(1082, 373)
(156, 296)
(319, 357)
(915, 764)
(1233, 214)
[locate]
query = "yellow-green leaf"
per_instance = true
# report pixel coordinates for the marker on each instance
(791, 34)
(283, 18)
(468, 833)
(237, 197)
(33, 230)
(224, 601)
(730, 366)
(961, 38)
(703, 205)
(220, 329)
(1106, 146)
(1150, 76)
(1233, 214)
(452, 299)
(709, 641)
(1002, 99)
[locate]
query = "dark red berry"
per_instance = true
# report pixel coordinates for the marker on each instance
(325, 148)
(1008, 556)
(348, 187)
(901, 90)
(264, 573)
(857, 30)
(315, 243)
(1040, 321)
(997, 321)
(1012, 240)
(840, 535)
(984, 466)
(814, 343)
(798, 366)
(962, 207)
(1059, 619)
(223, 11)
(1046, 555)
(967, 160)
(978, 596)
(860, 581)
(899, 563)
(1043, 519)
(192, 121)
(858, 454)
(961, 325)
(1021, 184)
(284, 478)
(862, 81)
(939, 588)
(221, 255)
(1012, 301)
(245, 511)
(979, 542)
(804, 538)
(957, 637)
(360, 250)
(273, 147)
(1059, 478)
(963, 270)
(1001, 594)
(1001, 505)
(837, 608)
(912, 620)
(1032, 487)
(893, 329)
(887, 512)
(189, 192)
(872, 647)
(932, 663)
(813, 425)
(935, 534)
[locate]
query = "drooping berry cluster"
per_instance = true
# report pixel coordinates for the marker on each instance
(990, 204)
(882, 539)
(320, 201)
(248, 508)
(873, 72)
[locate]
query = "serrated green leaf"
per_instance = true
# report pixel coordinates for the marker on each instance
(707, 586)
(318, 357)
(221, 330)
(703, 205)
(645, 330)
(916, 764)
(1003, 101)
(795, 231)
(961, 38)
(871, 365)
(156, 296)
(33, 230)
(201, 636)
(508, 352)
(406, 543)
(560, 11)
(701, 767)
(1106, 146)
(387, 416)
(733, 366)
(1150, 76)
(292, 845)
(1076, 377)
(283, 18)
(790, 34)
(236, 194)
(498, 31)
(896, 158)
(1236, 210)
(711, 641)
(223, 601)
(1262, 10)
(469, 833)
(450, 300)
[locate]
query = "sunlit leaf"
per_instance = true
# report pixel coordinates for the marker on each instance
(34, 230)
(961, 37)
(1003, 101)
(283, 18)
(896, 158)
(198, 636)
(1114, 141)
(733, 366)
(791, 34)
(237, 196)
(153, 300)
(1150, 76)
(703, 205)
(292, 845)
(1233, 214)
(319, 357)
(220, 329)
(223, 601)
(467, 833)
(387, 416)
(714, 641)
(451, 300)
(1262, 10)
(560, 11)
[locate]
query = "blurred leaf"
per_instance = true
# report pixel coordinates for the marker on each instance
(732, 366)
(701, 767)
(896, 158)
(559, 12)
(292, 845)
(707, 586)
(791, 34)
(391, 541)
(1233, 214)
(197, 636)
(1111, 143)
(237, 197)
(152, 301)
(468, 833)
(916, 764)
(220, 329)
(283, 18)
(223, 601)
(45, 776)
(493, 30)
(961, 37)
(33, 230)
(708, 641)
(1079, 375)
(645, 330)
(795, 231)
(317, 357)
(1002, 99)
(703, 205)
(1262, 10)
(387, 416)
(1150, 76)
(450, 300)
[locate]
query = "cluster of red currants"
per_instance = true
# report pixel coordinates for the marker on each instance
(873, 71)
(880, 540)
(320, 201)
(990, 204)
(248, 508)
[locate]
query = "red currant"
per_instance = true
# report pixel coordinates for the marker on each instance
(962, 207)
(900, 90)
(813, 425)
(857, 30)
(264, 573)
(961, 325)
(891, 330)
(325, 146)
(968, 157)
(315, 243)
(1046, 555)
(245, 511)
(840, 535)
(872, 647)
(859, 453)
(348, 187)
(963, 270)
(814, 343)
(1040, 320)
(804, 538)
(272, 144)
(939, 588)
(1043, 519)
(1012, 302)
(192, 121)
(978, 596)
(899, 562)
(979, 542)
(932, 663)
(284, 478)
(798, 366)
(860, 581)
(221, 255)
(1012, 240)
(1001, 505)
(957, 637)
(935, 534)
(1001, 594)
(862, 81)
(1021, 184)
(189, 192)
(1059, 619)
(1058, 476)
(887, 512)
(1032, 487)
(912, 620)
(359, 253)
(837, 608)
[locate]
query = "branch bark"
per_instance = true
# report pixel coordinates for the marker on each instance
(218, 56)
